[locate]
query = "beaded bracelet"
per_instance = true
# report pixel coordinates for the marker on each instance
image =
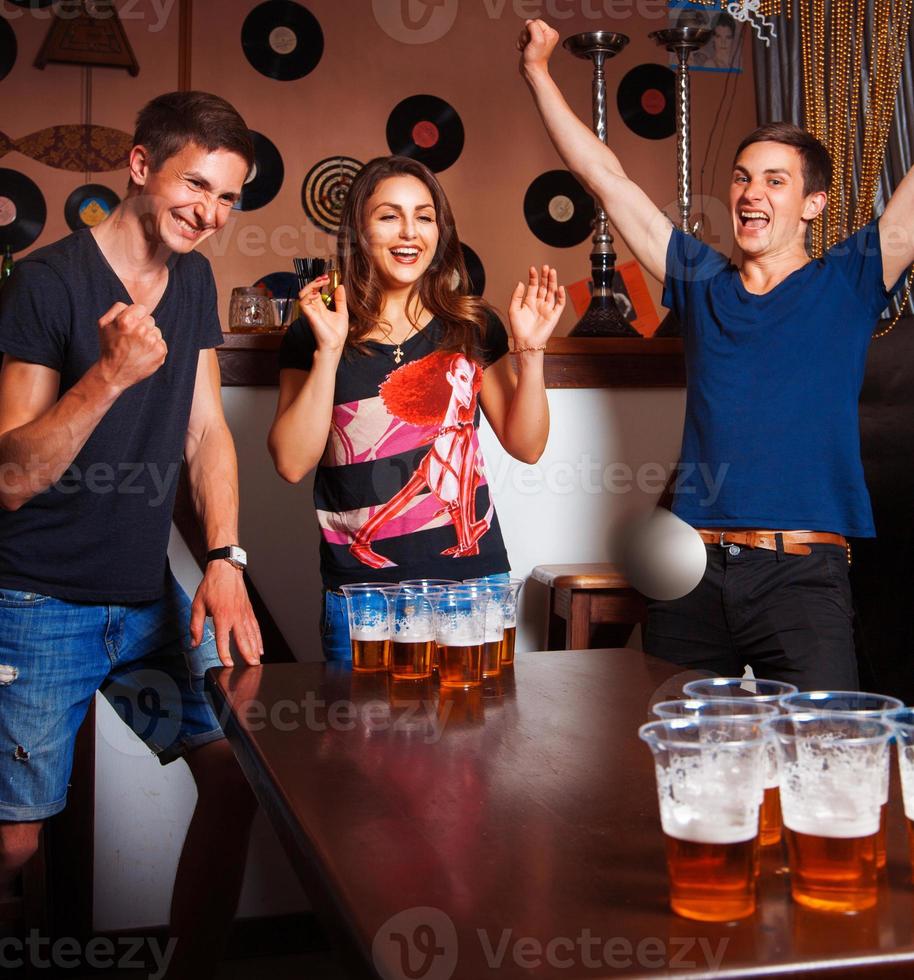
(524, 350)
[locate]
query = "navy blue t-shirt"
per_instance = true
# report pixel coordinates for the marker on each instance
(771, 436)
(100, 534)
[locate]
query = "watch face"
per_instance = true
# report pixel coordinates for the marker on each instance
(238, 557)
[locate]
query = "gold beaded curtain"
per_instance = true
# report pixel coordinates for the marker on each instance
(848, 109)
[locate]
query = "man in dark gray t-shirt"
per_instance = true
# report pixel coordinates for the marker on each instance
(109, 380)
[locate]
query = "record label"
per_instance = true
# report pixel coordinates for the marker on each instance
(22, 210)
(427, 129)
(89, 205)
(282, 40)
(266, 176)
(646, 101)
(325, 189)
(558, 209)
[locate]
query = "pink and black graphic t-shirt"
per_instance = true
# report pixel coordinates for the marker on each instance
(401, 491)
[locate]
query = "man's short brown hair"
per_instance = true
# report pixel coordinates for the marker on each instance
(169, 122)
(817, 165)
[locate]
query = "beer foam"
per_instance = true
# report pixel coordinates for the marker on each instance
(410, 633)
(728, 825)
(494, 636)
(906, 768)
(835, 800)
(814, 825)
(368, 633)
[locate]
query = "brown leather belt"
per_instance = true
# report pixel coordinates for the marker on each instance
(794, 542)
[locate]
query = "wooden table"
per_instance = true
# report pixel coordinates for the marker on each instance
(514, 833)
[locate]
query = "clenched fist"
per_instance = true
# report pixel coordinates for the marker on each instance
(131, 345)
(536, 43)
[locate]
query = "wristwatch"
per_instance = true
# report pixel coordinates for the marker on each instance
(233, 554)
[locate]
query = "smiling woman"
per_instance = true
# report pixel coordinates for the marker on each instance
(384, 394)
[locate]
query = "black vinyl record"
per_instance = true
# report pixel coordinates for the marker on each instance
(8, 48)
(475, 270)
(427, 129)
(89, 205)
(646, 100)
(558, 209)
(325, 188)
(282, 40)
(22, 210)
(266, 175)
(281, 285)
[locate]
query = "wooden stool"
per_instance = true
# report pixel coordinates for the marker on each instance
(583, 596)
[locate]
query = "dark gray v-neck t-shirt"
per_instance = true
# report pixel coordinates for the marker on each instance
(100, 534)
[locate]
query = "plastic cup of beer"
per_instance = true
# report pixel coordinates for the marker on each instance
(856, 702)
(369, 629)
(411, 616)
(902, 720)
(460, 634)
(710, 778)
(833, 771)
(496, 592)
(770, 816)
(431, 586)
(759, 691)
(511, 595)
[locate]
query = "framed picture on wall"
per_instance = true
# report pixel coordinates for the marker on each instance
(724, 50)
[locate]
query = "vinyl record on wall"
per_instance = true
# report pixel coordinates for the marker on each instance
(646, 101)
(282, 40)
(22, 210)
(280, 284)
(475, 270)
(558, 209)
(427, 129)
(266, 175)
(8, 48)
(325, 188)
(89, 205)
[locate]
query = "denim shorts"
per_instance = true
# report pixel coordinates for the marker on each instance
(54, 656)
(335, 627)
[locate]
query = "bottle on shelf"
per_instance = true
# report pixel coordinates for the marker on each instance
(6, 267)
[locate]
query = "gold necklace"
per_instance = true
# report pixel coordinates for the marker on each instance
(398, 350)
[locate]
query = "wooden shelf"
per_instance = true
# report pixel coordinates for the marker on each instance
(249, 359)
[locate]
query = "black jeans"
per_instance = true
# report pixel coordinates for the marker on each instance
(789, 617)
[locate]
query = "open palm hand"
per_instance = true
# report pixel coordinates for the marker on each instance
(536, 308)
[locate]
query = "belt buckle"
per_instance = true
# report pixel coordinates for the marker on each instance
(720, 541)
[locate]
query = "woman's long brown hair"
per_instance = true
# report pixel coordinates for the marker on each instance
(464, 317)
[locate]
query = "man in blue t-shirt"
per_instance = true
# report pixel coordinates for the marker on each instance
(775, 347)
(109, 379)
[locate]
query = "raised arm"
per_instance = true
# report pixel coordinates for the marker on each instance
(896, 231)
(643, 226)
(41, 435)
(299, 432)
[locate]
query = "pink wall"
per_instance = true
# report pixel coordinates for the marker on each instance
(342, 108)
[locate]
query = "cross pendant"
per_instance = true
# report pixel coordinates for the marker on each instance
(398, 354)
